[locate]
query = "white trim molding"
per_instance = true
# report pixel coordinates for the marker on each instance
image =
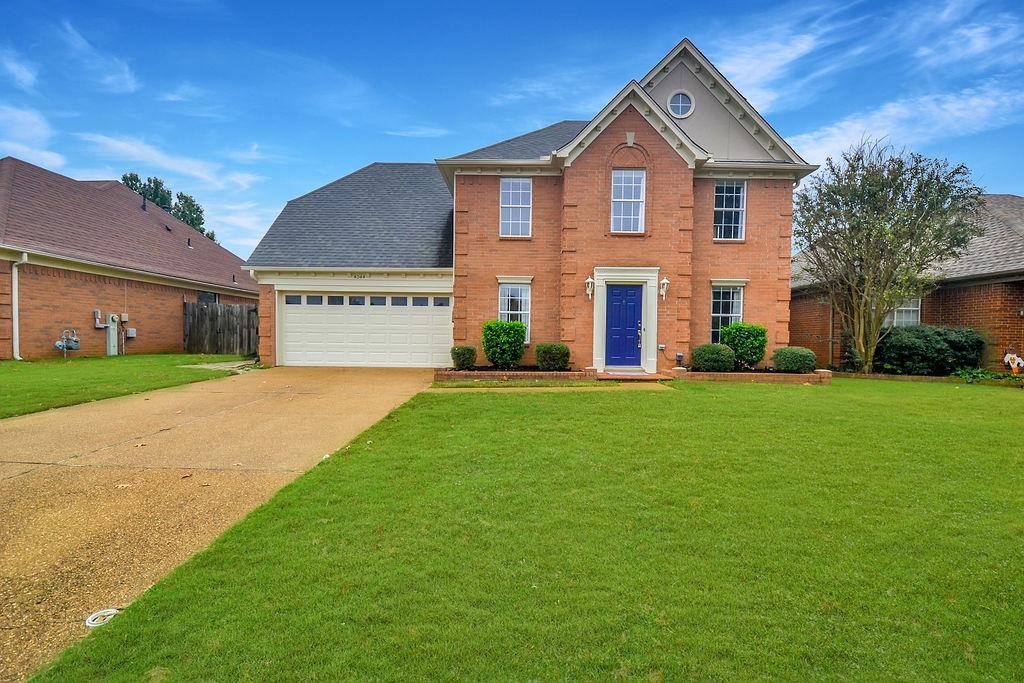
(627, 275)
(514, 279)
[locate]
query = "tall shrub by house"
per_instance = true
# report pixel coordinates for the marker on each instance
(748, 342)
(504, 343)
(929, 350)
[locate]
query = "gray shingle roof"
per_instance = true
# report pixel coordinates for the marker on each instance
(996, 253)
(532, 145)
(381, 216)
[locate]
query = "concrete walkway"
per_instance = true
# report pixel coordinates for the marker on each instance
(101, 500)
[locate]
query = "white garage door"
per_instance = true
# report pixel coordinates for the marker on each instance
(371, 330)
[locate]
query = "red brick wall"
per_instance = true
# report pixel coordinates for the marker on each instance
(992, 309)
(809, 327)
(571, 236)
(53, 299)
(6, 349)
(268, 325)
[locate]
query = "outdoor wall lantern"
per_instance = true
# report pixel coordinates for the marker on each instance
(664, 287)
(590, 287)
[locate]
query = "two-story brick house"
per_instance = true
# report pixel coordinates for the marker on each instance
(631, 237)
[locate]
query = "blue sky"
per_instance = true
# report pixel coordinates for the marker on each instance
(245, 105)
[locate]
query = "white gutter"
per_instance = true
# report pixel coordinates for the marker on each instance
(15, 341)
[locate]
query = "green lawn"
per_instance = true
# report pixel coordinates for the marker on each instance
(28, 387)
(866, 530)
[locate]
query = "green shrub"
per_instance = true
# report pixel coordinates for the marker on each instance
(464, 357)
(713, 358)
(748, 341)
(553, 357)
(504, 342)
(928, 350)
(794, 359)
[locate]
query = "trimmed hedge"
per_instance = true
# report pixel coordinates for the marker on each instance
(713, 358)
(504, 343)
(553, 357)
(463, 357)
(748, 341)
(794, 359)
(928, 350)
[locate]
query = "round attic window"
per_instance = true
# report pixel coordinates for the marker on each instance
(680, 104)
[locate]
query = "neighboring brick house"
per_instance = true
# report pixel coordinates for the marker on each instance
(69, 248)
(983, 290)
(632, 237)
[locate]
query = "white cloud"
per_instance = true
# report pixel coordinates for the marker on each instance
(918, 120)
(185, 92)
(137, 151)
(23, 73)
(575, 89)
(247, 155)
(243, 181)
(999, 40)
(239, 226)
(756, 68)
(25, 133)
(419, 132)
(110, 72)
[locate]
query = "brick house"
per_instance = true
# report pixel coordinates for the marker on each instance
(983, 290)
(631, 237)
(69, 248)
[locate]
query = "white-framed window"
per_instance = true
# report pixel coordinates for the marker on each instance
(726, 309)
(730, 209)
(514, 304)
(516, 207)
(907, 314)
(680, 104)
(628, 190)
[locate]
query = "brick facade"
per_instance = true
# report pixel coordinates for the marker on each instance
(267, 350)
(571, 237)
(54, 299)
(993, 309)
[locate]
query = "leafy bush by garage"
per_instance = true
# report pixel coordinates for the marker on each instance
(794, 359)
(929, 350)
(713, 358)
(464, 357)
(504, 343)
(553, 357)
(748, 341)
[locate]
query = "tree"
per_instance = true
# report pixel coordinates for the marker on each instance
(185, 208)
(872, 228)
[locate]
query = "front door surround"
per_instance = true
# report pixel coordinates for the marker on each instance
(647, 279)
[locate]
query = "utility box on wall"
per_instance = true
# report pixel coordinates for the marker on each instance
(129, 333)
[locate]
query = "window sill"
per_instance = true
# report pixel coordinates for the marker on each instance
(516, 238)
(722, 240)
(614, 233)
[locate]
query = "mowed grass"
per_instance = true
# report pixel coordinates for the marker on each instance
(866, 530)
(31, 386)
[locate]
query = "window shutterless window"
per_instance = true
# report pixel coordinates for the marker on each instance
(726, 309)
(378, 301)
(399, 301)
(516, 207)
(907, 314)
(314, 300)
(514, 304)
(292, 299)
(335, 301)
(441, 301)
(206, 297)
(628, 189)
(730, 209)
(420, 300)
(357, 301)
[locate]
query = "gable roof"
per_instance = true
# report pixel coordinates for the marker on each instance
(633, 94)
(533, 145)
(385, 215)
(992, 255)
(761, 125)
(102, 222)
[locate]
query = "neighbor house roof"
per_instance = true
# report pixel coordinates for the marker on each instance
(103, 223)
(997, 253)
(533, 145)
(382, 216)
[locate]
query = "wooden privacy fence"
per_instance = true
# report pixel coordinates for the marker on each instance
(221, 328)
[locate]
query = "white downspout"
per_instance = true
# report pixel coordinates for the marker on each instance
(15, 341)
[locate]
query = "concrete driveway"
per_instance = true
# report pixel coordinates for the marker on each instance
(99, 501)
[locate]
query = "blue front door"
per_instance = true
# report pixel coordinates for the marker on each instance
(623, 324)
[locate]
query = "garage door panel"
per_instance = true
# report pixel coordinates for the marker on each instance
(368, 335)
